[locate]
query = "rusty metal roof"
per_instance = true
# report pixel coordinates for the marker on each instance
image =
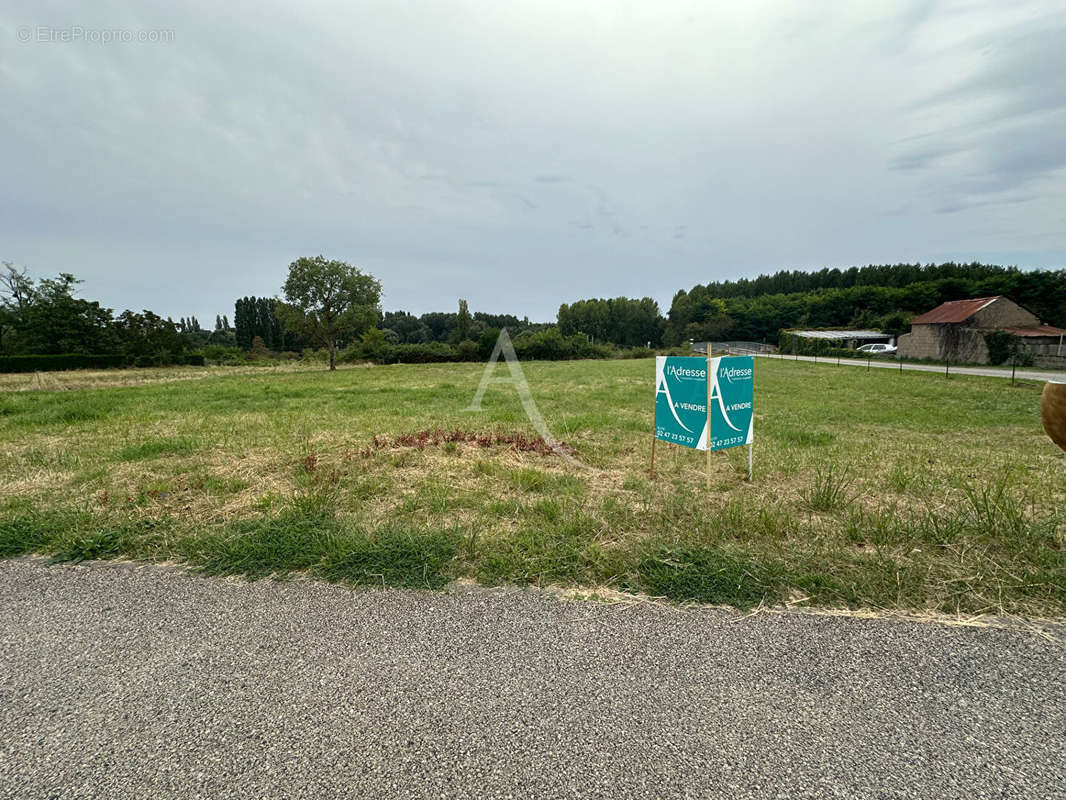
(1042, 330)
(953, 311)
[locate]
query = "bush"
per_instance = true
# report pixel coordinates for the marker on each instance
(51, 363)
(259, 350)
(221, 354)
(487, 341)
(548, 345)
(1001, 346)
(425, 353)
(468, 351)
(372, 345)
(551, 345)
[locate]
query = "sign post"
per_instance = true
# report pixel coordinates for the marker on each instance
(653, 438)
(710, 384)
(705, 404)
(751, 446)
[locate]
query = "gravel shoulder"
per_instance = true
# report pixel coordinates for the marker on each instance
(149, 682)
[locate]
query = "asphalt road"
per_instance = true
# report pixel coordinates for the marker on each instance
(884, 363)
(145, 682)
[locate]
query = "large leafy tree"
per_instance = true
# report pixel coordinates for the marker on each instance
(440, 325)
(148, 335)
(330, 301)
(406, 326)
(45, 316)
(624, 321)
(16, 294)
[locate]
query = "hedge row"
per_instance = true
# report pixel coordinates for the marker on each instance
(53, 363)
(527, 349)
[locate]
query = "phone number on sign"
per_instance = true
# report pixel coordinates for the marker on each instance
(680, 438)
(730, 442)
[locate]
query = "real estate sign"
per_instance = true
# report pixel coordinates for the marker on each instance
(681, 401)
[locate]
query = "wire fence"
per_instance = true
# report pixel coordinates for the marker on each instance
(823, 353)
(946, 367)
(736, 348)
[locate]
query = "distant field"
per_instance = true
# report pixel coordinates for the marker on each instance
(872, 489)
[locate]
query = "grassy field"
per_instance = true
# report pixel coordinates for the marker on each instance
(872, 489)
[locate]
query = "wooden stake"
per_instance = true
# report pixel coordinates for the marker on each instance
(651, 472)
(654, 427)
(710, 382)
(752, 446)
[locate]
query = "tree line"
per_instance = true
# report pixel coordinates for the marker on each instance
(884, 297)
(621, 321)
(896, 275)
(756, 309)
(334, 306)
(46, 317)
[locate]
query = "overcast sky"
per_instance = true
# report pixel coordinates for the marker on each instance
(523, 154)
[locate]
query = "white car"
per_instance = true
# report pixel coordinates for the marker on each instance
(878, 349)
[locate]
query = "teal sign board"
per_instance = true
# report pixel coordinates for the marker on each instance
(681, 401)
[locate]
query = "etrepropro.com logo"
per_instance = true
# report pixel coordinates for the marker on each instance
(72, 34)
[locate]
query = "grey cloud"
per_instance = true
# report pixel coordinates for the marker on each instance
(922, 158)
(956, 206)
(1023, 72)
(462, 151)
(895, 31)
(1007, 116)
(525, 201)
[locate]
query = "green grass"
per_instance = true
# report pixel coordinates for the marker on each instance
(706, 574)
(154, 448)
(872, 489)
(828, 490)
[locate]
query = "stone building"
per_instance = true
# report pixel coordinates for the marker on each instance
(956, 331)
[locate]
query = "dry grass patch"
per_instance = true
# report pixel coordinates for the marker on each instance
(139, 376)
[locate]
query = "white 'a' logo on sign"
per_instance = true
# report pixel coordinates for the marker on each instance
(716, 392)
(662, 387)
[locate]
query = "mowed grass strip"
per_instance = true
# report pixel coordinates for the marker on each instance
(873, 490)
